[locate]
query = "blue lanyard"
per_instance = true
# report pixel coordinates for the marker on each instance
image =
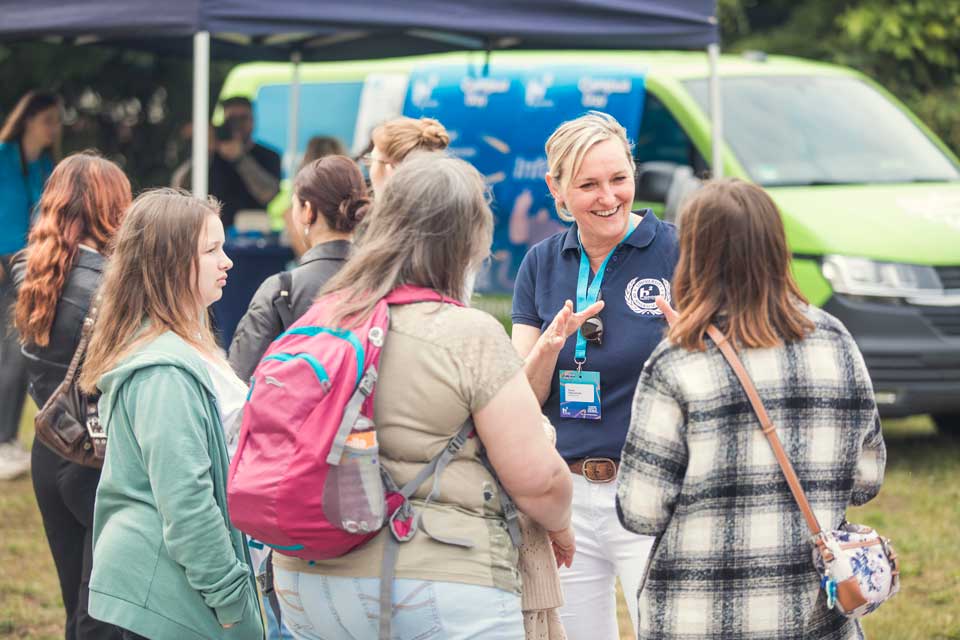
(588, 295)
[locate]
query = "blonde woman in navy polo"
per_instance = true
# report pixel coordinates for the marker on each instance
(584, 319)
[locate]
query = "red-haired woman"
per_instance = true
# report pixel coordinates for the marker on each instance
(56, 277)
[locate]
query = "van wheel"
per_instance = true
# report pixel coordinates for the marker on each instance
(948, 424)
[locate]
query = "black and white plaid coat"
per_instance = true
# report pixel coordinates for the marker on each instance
(733, 553)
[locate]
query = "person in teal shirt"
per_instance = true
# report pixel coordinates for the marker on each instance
(27, 139)
(167, 563)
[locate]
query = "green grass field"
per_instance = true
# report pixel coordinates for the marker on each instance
(919, 508)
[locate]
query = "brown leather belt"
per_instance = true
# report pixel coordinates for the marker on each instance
(595, 469)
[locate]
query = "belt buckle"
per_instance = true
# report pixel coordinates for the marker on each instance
(599, 470)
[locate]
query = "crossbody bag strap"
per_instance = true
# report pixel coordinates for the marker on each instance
(283, 302)
(766, 425)
(85, 333)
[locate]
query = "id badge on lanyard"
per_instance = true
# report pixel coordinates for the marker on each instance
(580, 394)
(580, 388)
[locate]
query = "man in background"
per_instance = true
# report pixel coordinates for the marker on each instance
(243, 174)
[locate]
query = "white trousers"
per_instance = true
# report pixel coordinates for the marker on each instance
(605, 551)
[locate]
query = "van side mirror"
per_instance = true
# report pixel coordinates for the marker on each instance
(653, 180)
(682, 184)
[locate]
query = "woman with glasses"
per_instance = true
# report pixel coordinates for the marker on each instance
(395, 139)
(585, 320)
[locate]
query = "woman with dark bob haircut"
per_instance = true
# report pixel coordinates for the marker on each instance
(329, 201)
(732, 556)
(56, 277)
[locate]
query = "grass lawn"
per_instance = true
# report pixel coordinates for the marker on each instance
(919, 508)
(30, 603)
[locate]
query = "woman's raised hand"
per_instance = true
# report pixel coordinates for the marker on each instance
(565, 324)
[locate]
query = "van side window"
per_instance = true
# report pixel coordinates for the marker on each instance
(662, 139)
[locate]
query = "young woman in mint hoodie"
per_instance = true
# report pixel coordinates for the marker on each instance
(166, 562)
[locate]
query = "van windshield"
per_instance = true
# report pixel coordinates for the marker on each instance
(809, 130)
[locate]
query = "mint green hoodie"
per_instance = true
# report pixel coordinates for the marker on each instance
(166, 561)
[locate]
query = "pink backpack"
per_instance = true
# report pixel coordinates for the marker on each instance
(306, 478)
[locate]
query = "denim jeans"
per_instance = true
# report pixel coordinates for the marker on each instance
(319, 607)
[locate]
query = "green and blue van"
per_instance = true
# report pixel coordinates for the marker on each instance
(870, 197)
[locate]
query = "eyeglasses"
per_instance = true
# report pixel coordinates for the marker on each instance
(368, 159)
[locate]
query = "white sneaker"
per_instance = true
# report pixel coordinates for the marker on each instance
(14, 461)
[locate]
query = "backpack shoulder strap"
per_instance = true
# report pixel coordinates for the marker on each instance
(391, 547)
(409, 294)
(510, 511)
(282, 301)
(766, 425)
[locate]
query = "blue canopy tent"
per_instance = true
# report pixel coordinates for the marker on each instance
(378, 28)
(298, 30)
(335, 30)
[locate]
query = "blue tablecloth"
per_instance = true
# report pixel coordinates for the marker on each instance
(253, 262)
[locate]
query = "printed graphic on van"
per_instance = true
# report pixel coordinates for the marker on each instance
(500, 122)
(935, 206)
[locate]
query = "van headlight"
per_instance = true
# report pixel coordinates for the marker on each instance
(864, 277)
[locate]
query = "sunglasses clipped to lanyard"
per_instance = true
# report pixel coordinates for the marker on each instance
(592, 327)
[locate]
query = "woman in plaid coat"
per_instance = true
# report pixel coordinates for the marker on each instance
(732, 557)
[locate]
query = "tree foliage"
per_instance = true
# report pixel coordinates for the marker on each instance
(132, 106)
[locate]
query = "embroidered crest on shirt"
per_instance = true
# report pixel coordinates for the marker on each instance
(641, 293)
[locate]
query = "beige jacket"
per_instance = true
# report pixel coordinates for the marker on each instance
(542, 595)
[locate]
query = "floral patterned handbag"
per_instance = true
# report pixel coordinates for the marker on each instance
(858, 567)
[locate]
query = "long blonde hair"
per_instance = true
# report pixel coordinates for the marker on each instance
(431, 227)
(151, 278)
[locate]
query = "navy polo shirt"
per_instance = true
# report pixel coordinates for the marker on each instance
(639, 270)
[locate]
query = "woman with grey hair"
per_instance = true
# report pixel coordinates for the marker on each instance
(441, 363)
(583, 362)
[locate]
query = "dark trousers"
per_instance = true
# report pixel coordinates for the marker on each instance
(13, 366)
(65, 493)
(130, 635)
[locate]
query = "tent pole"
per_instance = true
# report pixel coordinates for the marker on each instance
(293, 132)
(716, 112)
(201, 110)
